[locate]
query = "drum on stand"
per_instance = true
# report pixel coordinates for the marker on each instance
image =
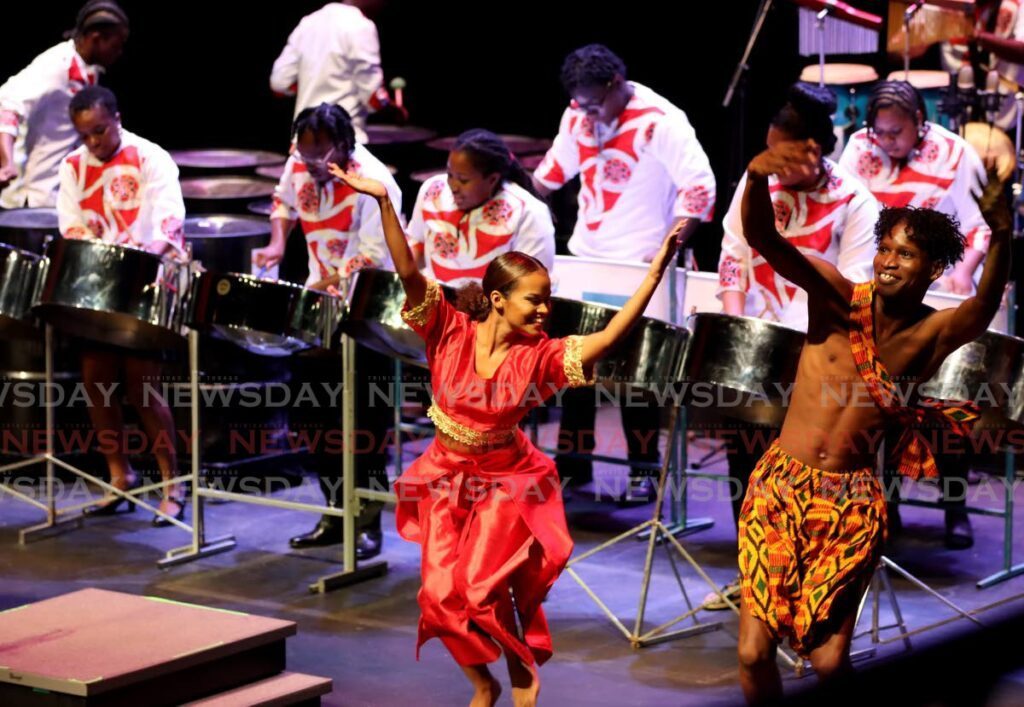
(207, 162)
(749, 364)
(112, 294)
(223, 194)
(989, 371)
(259, 319)
(265, 317)
(992, 144)
(19, 278)
(224, 242)
(28, 229)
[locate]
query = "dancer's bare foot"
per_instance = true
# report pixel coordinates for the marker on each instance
(525, 682)
(487, 689)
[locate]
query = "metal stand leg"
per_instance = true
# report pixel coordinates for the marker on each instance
(679, 522)
(656, 531)
(199, 547)
(1009, 483)
(352, 506)
(54, 523)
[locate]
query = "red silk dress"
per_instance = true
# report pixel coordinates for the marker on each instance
(492, 521)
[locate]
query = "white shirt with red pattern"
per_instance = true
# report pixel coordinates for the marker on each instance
(458, 244)
(1009, 25)
(131, 199)
(637, 176)
(342, 227)
(834, 222)
(940, 174)
(333, 56)
(34, 109)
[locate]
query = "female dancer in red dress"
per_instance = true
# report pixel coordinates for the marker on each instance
(484, 503)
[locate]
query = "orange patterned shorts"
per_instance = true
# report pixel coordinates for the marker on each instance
(809, 541)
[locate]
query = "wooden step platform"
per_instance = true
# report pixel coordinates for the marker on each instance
(286, 689)
(107, 649)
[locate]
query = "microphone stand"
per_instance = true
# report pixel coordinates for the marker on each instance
(738, 85)
(819, 21)
(908, 15)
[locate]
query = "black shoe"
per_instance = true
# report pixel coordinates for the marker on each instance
(368, 543)
(328, 531)
(959, 534)
(161, 522)
(641, 489)
(111, 507)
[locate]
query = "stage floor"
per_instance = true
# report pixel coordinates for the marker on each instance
(363, 637)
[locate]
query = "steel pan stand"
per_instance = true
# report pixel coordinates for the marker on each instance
(59, 518)
(351, 495)
(881, 580)
(1010, 467)
(200, 547)
(658, 533)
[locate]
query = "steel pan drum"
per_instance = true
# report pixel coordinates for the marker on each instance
(517, 144)
(989, 371)
(265, 317)
(261, 207)
(28, 229)
(271, 171)
(225, 242)
(396, 134)
(228, 193)
(112, 294)
(649, 357)
(752, 364)
(19, 275)
(215, 160)
(374, 316)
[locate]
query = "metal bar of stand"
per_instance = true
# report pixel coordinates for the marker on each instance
(1009, 481)
(200, 546)
(924, 587)
(352, 508)
(398, 418)
(657, 530)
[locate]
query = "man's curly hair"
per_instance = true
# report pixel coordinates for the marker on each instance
(937, 234)
(591, 66)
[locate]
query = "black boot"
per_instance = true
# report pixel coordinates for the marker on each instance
(328, 531)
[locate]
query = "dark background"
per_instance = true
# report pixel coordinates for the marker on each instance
(195, 74)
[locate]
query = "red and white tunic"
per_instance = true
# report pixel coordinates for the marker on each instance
(940, 174)
(458, 244)
(34, 109)
(834, 222)
(342, 227)
(637, 176)
(333, 56)
(132, 199)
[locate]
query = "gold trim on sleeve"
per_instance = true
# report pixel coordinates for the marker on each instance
(420, 314)
(572, 363)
